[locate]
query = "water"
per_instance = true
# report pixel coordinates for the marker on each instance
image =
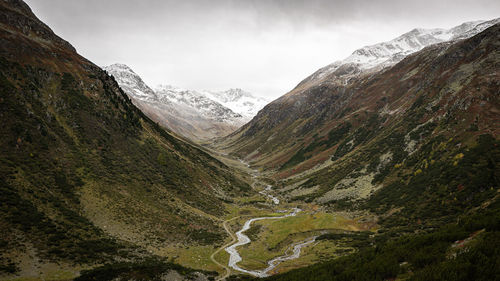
(275, 200)
(295, 254)
(235, 258)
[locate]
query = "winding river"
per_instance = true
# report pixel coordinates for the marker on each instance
(235, 258)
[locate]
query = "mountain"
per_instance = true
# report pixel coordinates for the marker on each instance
(336, 142)
(199, 103)
(131, 83)
(185, 112)
(415, 144)
(391, 174)
(326, 92)
(87, 181)
(239, 101)
(375, 57)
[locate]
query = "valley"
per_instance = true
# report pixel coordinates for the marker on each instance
(381, 166)
(269, 235)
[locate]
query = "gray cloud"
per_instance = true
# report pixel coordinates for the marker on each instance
(266, 47)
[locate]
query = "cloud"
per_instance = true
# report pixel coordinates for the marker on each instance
(265, 47)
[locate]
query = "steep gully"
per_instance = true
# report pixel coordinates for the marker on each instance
(242, 239)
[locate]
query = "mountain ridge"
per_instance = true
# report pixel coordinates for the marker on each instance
(239, 101)
(380, 55)
(299, 101)
(186, 112)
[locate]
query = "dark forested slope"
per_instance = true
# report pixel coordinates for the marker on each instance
(85, 177)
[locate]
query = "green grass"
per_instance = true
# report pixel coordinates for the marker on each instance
(318, 252)
(423, 256)
(196, 257)
(302, 222)
(276, 235)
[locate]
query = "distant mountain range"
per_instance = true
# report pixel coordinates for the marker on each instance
(198, 115)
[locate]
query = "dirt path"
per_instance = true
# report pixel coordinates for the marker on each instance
(233, 240)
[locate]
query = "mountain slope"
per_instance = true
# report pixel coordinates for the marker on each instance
(131, 83)
(288, 119)
(415, 144)
(85, 177)
(188, 113)
(336, 143)
(464, 250)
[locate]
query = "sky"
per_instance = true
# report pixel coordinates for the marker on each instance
(263, 46)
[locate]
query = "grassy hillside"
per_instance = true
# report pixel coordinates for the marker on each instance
(85, 177)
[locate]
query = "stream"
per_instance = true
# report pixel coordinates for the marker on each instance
(235, 258)
(274, 199)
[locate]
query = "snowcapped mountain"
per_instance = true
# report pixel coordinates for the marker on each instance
(130, 82)
(388, 53)
(186, 112)
(239, 101)
(199, 103)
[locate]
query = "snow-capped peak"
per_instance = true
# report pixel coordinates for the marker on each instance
(239, 101)
(121, 67)
(234, 106)
(130, 82)
(230, 95)
(186, 112)
(390, 52)
(196, 101)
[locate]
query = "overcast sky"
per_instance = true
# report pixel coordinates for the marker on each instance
(265, 47)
